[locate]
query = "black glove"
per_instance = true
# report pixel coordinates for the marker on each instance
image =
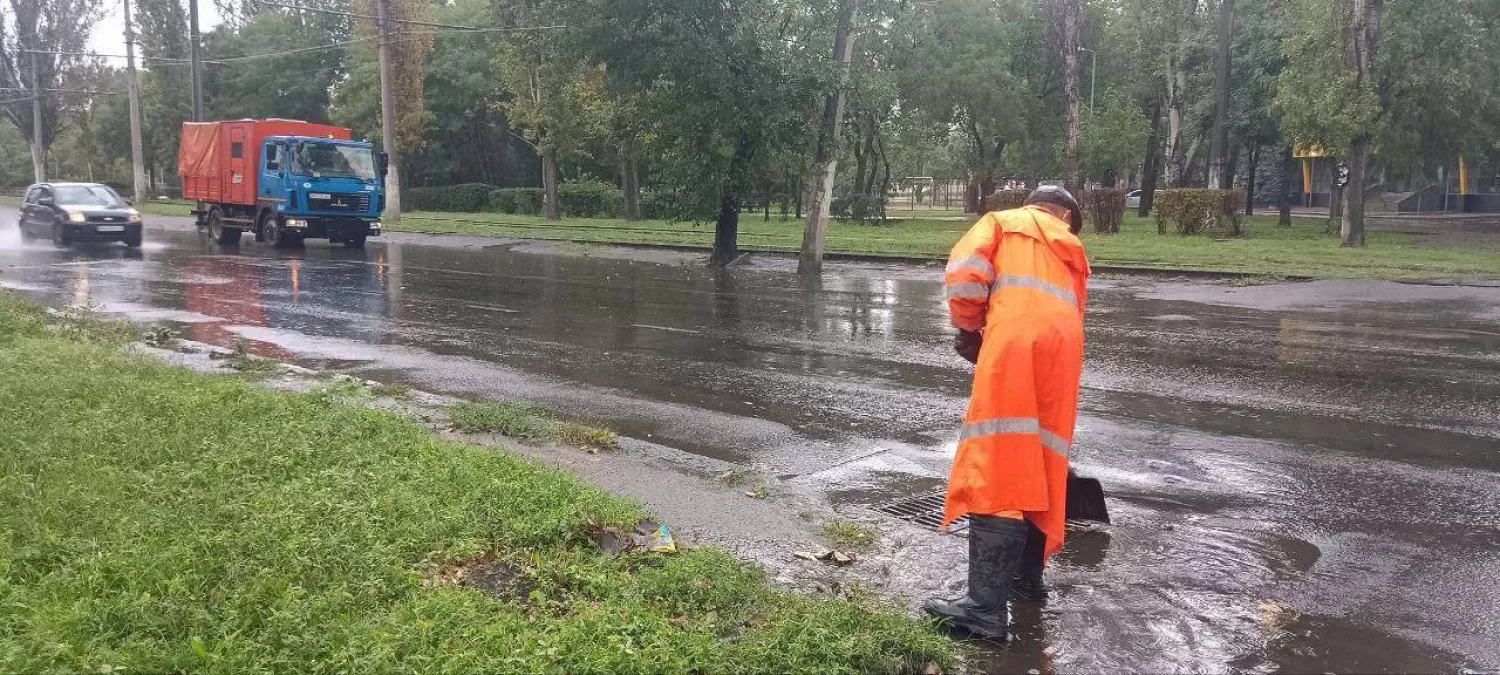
(967, 345)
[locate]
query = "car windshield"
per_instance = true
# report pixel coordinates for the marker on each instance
(87, 195)
(331, 160)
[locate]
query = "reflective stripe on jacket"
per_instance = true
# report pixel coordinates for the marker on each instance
(1020, 277)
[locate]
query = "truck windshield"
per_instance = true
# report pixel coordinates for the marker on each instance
(87, 195)
(331, 160)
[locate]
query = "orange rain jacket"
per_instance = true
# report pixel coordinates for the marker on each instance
(1020, 277)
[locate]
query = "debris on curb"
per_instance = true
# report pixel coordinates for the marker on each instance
(839, 558)
(648, 536)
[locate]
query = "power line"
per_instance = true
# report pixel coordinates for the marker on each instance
(102, 56)
(362, 16)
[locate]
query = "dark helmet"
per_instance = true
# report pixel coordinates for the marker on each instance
(1059, 195)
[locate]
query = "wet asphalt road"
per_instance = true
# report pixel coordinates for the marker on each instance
(1304, 477)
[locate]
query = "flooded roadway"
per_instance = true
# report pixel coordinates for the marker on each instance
(1304, 477)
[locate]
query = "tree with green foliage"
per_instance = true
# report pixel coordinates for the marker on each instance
(557, 89)
(1114, 138)
(291, 84)
(725, 87)
(61, 28)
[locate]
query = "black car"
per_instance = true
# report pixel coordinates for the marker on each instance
(72, 212)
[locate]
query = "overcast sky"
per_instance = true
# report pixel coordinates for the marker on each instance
(109, 33)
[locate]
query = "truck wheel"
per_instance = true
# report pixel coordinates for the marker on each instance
(222, 234)
(356, 241)
(264, 223)
(279, 237)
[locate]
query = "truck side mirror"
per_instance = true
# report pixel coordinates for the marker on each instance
(383, 161)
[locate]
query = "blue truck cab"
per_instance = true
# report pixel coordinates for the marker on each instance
(320, 188)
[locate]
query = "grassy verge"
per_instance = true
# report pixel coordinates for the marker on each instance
(157, 520)
(1304, 249)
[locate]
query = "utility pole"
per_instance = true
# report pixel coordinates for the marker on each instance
(38, 157)
(826, 160)
(388, 116)
(197, 60)
(137, 162)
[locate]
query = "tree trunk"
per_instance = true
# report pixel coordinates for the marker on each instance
(1250, 180)
(1186, 175)
(826, 154)
(1335, 193)
(1071, 16)
(726, 232)
(1360, 22)
(631, 179)
(1284, 195)
(1172, 155)
(1152, 170)
(1219, 168)
(549, 184)
(1353, 231)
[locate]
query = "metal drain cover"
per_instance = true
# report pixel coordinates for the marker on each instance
(925, 510)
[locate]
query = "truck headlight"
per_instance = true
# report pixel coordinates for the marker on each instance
(76, 217)
(374, 226)
(297, 223)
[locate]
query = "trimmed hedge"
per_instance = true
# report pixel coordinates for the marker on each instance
(1105, 208)
(523, 201)
(591, 199)
(579, 199)
(464, 198)
(859, 208)
(1002, 200)
(1196, 210)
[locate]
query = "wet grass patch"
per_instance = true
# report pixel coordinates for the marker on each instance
(520, 420)
(850, 536)
(154, 519)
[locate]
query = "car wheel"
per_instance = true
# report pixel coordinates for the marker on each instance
(60, 236)
(26, 236)
(133, 240)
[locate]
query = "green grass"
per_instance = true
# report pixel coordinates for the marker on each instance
(154, 519)
(519, 420)
(1305, 249)
(850, 536)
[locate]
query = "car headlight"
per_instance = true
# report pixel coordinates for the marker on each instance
(135, 216)
(76, 216)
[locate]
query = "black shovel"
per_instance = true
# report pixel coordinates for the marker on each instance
(1086, 499)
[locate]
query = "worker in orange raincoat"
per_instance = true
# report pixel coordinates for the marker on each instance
(1016, 284)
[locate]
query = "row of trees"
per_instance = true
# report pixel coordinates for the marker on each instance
(709, 104)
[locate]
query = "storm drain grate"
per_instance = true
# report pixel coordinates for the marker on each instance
(925, 510)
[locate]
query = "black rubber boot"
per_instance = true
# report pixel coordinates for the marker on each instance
(995, 548)
(1028, 580)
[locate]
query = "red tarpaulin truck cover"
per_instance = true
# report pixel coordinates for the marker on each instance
(219, 161)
